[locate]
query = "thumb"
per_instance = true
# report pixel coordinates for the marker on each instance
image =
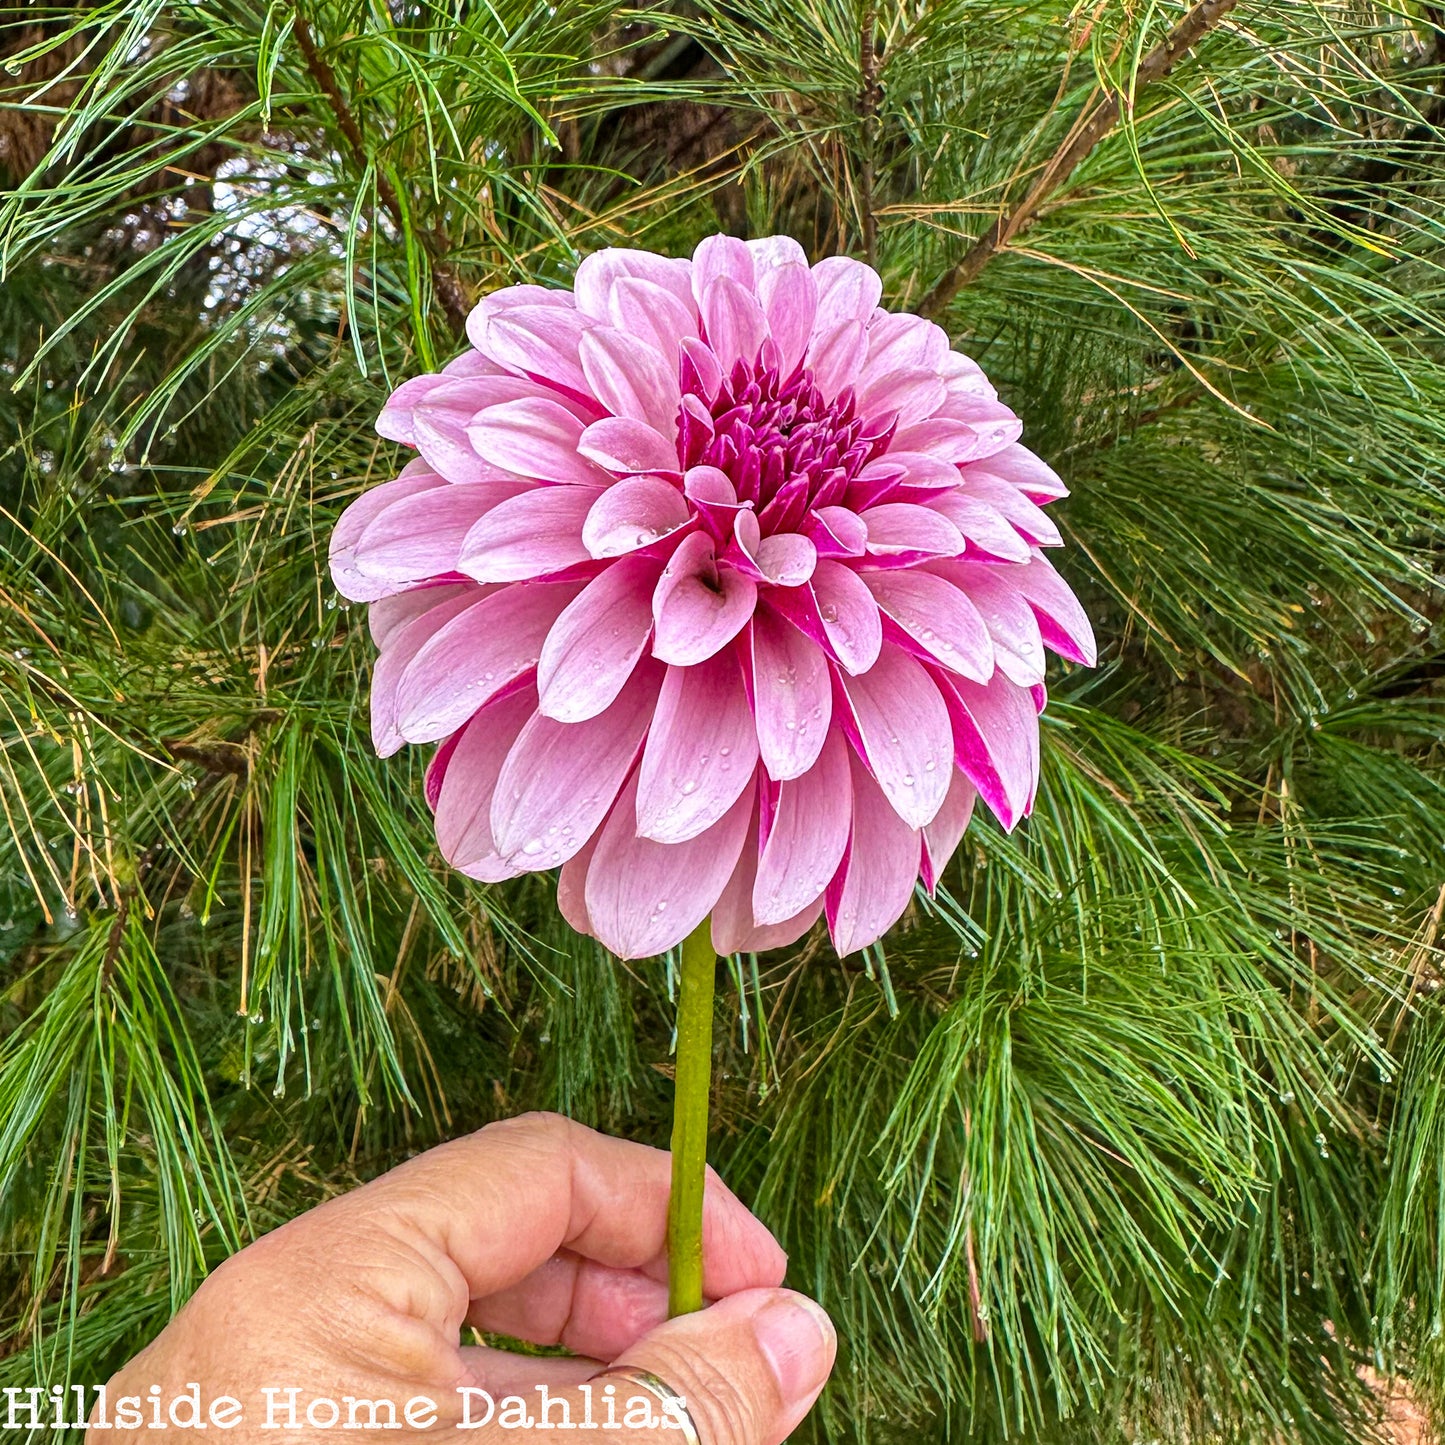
(748, 1368)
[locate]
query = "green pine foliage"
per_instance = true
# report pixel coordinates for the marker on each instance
(1135, 1133)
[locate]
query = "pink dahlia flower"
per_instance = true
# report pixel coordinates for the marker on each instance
(720, 588)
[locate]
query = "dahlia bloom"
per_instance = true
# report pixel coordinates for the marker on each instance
(720, 588)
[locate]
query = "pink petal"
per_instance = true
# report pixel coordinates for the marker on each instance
(541, 342)
(788, 297)
(477, 654)
(402, 645)
(993, 425)
(786, 559)
(903, 732)
(701, 751)
(530, 535)
(1026, 517)
(835, 355)
(700, 605)
(630, 378)
(937, 618)
(509, 298)
(792, 696)
(943, 835)
(716, 500)
(421, 536)
(906, 530)
(626, 446)
(653, 315)
(572, 888)
(644, 897)
(733, 927)
(560, 778)
(388, 615)
(633, 513)
(838, 612)
(442, 422)
(595, 644)
(733, 321)
(532, 437)
(911, 395)
(917, 469)
(875, 881)
(349, 580)
(808, 835)
(837, 532)
(1062, 622)
(1031, 476)
(899, 342)
(436, 771)
(395, 422)
(848, 291)
(981, 525)
(1017, 643)
(995, 741)
(463, 808)
(598, 275)
(717, 257)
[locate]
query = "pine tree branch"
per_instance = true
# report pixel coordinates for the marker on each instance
(1082, 138)
(448, 287)
(869, 96)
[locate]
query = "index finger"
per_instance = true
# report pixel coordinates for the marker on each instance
(504, 1200)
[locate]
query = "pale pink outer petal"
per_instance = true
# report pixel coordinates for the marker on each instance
(808, 835)
(874, 883)
(572, 887)
(421, 536)
(402, 644)
(388, 615)
(530, 535)
(900, 529)
(631, 378)
(626, 446)
(899, 342)
(598, 274)
(440, 421)
(643, 897)
(943, 835)
(792, 696)
(541, 342)
(733, 927)
(701, 753)
(911, 395)
(1062, 621)
(533, 437)
(594, 645)
(508, 298)
(633, 513)
(836, 610)
(983, 526)
(719, 256)
(349, 580)
(904, 733)
(834, 356)
(784, 285)
(848, 292)
(937, 617)
(1018, 645)
(560, 779)
(1034, 478)
(477, 654)
(395, 422)
(463, 807)
(734, 322)
(995, 740)
(1032, 523)
(700, 605)
(653, 315)
(918, 469)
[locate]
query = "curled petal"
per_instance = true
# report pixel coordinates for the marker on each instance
(541, 342)
(701, 751)
(464, 804)
(808, 835)
(838, 612)
(837, 532)
(899, 342)
(874, 883)
(644, 897)
(734, 322)
(1027, 518)
(632, 514)
(509, 298)
(347, 576)
(848, 291)
(700, 605)
(912, 395)
(717, 257)
(901, 726)
(560, 779)
(477, 654)
(789, 300)
(388, 615)
(834, 356)
(985, 529)
(594, 645)
(530, 535)
(786, 559)
(653, 315)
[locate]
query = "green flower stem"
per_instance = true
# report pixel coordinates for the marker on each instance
(689, 1121)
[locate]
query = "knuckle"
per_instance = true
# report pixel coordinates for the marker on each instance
(722, 1413)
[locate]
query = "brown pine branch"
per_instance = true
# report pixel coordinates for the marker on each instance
(1091, 128)
(869, 96)
(448, 287)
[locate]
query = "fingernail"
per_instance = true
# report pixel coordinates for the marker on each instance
(798, 1340)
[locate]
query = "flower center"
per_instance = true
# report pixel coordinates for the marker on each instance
(782, 444)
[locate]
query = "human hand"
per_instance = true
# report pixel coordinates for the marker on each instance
(535, 1228)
